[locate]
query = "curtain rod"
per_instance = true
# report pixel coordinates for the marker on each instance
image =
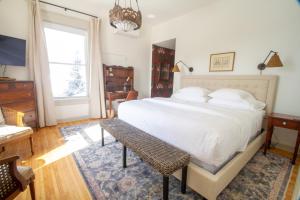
(66, 9)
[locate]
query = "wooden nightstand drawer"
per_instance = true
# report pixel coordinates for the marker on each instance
(285, 123)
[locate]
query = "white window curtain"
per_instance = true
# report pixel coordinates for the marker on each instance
(97, 96)
(39, 66)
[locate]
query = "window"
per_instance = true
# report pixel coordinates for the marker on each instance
(67, 53)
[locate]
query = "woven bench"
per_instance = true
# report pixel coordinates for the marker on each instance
(162, 156)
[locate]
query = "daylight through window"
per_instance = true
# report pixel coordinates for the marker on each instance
(67, 60)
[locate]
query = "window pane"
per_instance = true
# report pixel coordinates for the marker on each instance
(65, 47)
(68, 80)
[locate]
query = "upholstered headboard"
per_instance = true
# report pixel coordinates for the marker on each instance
(263, 88)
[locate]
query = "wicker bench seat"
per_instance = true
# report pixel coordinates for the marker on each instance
(162, 156)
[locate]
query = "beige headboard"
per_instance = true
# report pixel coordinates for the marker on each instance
(263, 88)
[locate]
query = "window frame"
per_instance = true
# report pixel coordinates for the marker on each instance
(79, 31)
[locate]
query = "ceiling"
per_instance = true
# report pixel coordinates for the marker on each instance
(154, 11)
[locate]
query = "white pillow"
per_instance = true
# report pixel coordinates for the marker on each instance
(231, 94)
(246, 104)
(2, 121)
(192, 94)
(191, 100)
(194, 91)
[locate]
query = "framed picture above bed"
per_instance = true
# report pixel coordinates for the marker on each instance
(222, 62)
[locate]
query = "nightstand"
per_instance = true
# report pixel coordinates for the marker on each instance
(283, 121)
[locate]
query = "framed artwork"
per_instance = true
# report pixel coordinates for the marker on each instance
(221, 62)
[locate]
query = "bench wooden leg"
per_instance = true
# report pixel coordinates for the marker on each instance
(124, 156)
(183, 179)
(102, 136)
(165, 187)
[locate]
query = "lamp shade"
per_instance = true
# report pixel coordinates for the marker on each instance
(176, 68)
(274, 61)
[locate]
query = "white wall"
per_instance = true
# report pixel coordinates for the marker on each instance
(251, 29)
(13, 22)
(116, 49)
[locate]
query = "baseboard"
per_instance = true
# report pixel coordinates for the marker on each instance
(73, 119)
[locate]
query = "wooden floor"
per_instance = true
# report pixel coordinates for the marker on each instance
(57, 175)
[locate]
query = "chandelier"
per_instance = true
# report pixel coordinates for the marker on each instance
(125, 18)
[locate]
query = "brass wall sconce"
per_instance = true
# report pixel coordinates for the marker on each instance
(274, 61)
(176, 68)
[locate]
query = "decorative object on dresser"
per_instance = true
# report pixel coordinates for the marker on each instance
(162, 76)
(283, 121)
(20, 96)
(274, 61)
(222, 62)
(118, 78)
(176, 68)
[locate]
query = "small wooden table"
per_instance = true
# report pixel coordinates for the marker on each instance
(283, 121)
(21, 133)
(111, 96)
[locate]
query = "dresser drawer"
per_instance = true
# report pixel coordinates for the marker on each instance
(285, 123)
(30, 116)
(16, 86)
(15, 96)
(24, 86)
(31, 124)
(3, 86)
(24, 106)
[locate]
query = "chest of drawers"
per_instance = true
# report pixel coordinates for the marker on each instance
(20, 96)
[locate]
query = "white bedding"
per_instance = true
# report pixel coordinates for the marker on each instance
(209, 133)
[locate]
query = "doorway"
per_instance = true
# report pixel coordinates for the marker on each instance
(163, 58)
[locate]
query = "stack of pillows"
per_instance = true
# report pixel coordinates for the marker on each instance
(225, 97)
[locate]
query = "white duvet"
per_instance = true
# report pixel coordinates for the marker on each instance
(209, 133)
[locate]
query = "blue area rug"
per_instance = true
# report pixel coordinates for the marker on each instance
(264, 177)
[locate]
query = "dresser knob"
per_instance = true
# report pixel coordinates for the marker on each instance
(283, 123)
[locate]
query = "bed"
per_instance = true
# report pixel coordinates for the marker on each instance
(215, 162)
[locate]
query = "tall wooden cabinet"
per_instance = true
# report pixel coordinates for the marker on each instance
(20, 96)
(162, 75)
(118, 77)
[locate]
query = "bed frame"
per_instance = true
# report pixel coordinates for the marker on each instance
(264, 89)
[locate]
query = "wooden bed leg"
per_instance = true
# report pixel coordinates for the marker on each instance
(102, 136)
(183, 179)
(165, 187)
(31, 145)
(124, 156)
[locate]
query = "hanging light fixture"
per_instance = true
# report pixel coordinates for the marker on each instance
(125, 18)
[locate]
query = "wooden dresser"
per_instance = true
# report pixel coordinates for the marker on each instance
(20, 96)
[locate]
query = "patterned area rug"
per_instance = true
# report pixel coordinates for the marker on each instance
(264, 177)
